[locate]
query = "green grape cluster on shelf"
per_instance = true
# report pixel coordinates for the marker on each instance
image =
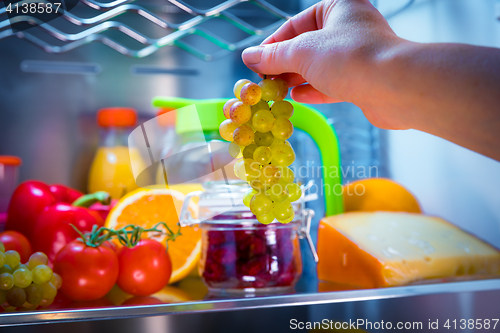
(258, 126)
(26, 286)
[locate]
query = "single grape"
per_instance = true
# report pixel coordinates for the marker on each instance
(56, 280)
(2, 247)
(263, 155)
(283, 89)
(263, 121)
(12, 258)
(261, 204)
(282, 109)
(288, 219)
(34, 294)
(238, 85)
(37, 258)
(22, 277)
(49, 291)
(226, 129)
(46, 302)
(249, 150)
(294, 192)
(277, 141)
(15, 297)
(270, 89)
(6, 281)
(283, 155)
(261, 105)
(246, 169)
(19, 266)
(243, 135)
(282, 129)
(247, 197)
(282, 210)
(250, 93)
(6, 269)
(239, 169)
(278, 193)
(240, 113)
(252, 168)
(265, 218)
(28, 306)
(2, 259)
(270, 175)
(227, 106)
(41, 274)
(287, 176)
(234, 150)
(256, 184)
(264, 139)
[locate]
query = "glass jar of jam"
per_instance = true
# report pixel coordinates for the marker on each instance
(239, 255)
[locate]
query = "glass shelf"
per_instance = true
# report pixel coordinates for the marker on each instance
(316, 293)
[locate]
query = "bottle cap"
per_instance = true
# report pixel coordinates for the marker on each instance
(10, 160)
(166, 117)
(116, 117)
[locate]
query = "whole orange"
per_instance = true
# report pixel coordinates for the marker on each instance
(379, 194)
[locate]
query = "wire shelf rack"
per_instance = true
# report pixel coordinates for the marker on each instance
(104, 21)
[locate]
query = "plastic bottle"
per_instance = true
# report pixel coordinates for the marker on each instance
(111, 168)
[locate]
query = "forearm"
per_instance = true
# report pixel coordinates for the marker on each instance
(449, 90)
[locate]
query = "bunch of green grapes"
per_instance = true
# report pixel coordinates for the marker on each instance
(26, 286)
(258, 126)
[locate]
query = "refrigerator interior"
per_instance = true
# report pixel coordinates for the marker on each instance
(48, 103)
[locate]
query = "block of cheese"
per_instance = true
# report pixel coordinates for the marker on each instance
(380, 249)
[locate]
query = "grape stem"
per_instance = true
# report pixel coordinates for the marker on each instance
(128, 236)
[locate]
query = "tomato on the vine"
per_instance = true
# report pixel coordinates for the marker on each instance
(13, 240)
(144, 268)
(88, 273)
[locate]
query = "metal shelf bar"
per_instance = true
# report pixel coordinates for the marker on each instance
(101, 23)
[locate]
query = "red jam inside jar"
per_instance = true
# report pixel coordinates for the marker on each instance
(250, 257)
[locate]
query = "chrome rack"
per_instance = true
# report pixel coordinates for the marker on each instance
(103, 21)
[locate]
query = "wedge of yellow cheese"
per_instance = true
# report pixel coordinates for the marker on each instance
(383, 249)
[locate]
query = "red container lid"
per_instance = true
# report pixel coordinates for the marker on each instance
(117, 117)
(10, 160)
(167, 117)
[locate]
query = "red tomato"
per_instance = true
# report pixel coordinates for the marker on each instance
(88, 273)
(144, 268)
(13, 240)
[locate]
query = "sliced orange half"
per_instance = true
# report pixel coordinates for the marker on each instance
(147, 207)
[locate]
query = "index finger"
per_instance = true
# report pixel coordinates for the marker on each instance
(307, 20)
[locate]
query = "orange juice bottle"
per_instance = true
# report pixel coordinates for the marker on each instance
(111, 169)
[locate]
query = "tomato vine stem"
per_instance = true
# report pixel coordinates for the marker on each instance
(128, 236)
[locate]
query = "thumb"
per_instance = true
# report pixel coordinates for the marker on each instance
(273, 59)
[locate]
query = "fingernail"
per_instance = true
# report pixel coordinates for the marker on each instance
(252, 55)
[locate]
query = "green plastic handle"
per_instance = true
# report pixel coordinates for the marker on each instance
(304, 118)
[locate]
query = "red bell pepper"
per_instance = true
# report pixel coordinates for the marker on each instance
(28, 201)
(103, 210)
(65, 194)
(53, 230)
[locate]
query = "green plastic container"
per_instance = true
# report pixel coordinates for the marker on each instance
(304, 118)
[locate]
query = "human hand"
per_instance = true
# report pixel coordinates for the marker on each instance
(331, 47)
